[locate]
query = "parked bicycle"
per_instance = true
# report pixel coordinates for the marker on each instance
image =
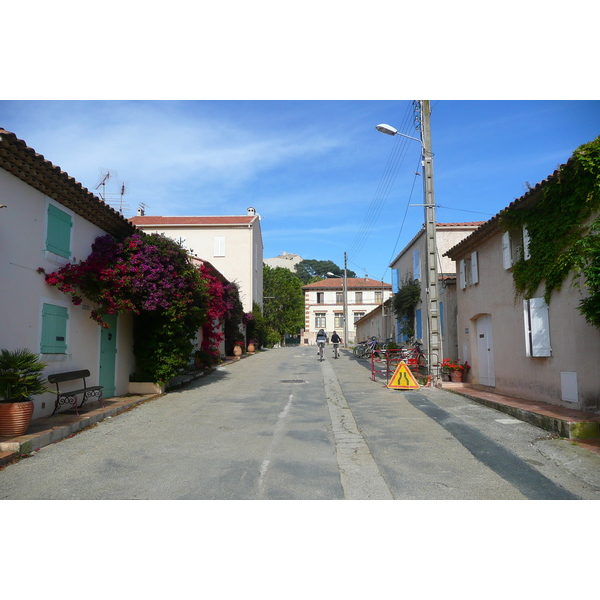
(367, 348)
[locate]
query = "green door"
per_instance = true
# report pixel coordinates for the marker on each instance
(108, 356)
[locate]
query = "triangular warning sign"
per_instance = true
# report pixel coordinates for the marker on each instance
(403, 379)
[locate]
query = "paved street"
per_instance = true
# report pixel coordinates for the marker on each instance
(281, 425)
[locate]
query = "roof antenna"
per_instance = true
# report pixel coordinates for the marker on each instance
(103, 184)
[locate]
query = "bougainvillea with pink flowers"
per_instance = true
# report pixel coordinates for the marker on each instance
(152, 277)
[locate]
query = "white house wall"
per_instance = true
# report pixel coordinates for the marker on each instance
(243, 259)
(23, 291)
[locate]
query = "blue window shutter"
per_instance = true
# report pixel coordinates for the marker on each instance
(395, 280)
(54, 329)
(58, 239)
(419, 324)
(442, 317)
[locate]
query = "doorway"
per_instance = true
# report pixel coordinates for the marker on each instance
(485, 351)
(108, 356)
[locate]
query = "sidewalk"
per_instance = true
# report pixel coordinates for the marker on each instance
(51, 429)
(582, 428)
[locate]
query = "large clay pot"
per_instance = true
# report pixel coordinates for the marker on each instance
(237, 350)
(456, 376)
(251, 347)
(15, 418)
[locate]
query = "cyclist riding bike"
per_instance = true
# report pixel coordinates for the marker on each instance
(321, 341)
(335, 340)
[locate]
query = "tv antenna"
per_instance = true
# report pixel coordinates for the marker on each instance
(114, 199)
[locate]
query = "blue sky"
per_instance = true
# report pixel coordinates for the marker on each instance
(322, 178)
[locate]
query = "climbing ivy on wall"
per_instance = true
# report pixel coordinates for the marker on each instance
(563, 228)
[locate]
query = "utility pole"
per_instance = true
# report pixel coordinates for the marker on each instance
(345, 302)
(435, 340)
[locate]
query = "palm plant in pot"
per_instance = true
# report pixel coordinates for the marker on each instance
(20, 379)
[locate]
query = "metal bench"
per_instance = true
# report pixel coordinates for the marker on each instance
(70, 396)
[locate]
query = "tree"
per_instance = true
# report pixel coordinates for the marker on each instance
(310, 268)
(283, 307)
(405, 302)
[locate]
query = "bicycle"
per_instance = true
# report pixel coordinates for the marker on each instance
(321, 348)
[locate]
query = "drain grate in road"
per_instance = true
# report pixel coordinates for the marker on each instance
(293, 381)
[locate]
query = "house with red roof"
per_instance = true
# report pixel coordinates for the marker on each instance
(232, 244)
(324, 305)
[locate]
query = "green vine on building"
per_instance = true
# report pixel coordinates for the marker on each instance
(405, 302)
(563, 226)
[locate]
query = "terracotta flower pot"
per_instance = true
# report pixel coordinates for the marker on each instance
(15, 418)
(456, 376)
(237, 350)
(251, 347)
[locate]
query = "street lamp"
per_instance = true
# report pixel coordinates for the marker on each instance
(344, 284)
(435, 340)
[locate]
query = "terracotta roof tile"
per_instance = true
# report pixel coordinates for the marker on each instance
(149, 221)
(336, 283)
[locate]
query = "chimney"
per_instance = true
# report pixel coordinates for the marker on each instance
(140, 211)
(251, 211)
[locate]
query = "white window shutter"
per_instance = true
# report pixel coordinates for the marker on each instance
(474, 268)
(416, 265)
(219, 246)
(537, 327)
(506, 251)
(461, 272)
(526, 254)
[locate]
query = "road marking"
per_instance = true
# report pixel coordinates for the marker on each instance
(277, 432)
(359, 473)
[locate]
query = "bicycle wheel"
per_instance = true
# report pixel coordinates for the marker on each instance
(422, 365)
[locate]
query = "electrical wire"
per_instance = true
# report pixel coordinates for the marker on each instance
(388, 177)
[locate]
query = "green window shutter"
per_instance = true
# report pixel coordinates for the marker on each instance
(59, 232)
(54, 329)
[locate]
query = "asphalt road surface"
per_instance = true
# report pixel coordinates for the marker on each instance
(282, 425)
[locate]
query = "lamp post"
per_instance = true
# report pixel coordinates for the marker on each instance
(435, 340)
(345, 296)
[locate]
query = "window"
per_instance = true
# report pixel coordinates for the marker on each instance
(338, 320)
(54, 329)
(419, 324)
(219, 246)
(506, 251)
(358, 315)
(339, 298)
(442, 318)
(395, 280)
(379, 297)
(537, 327)
(416, 265)
(58, 237)
(320, 297)
(320, 321)
(468, 271)
(358, 297)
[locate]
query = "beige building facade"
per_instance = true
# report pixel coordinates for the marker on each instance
(516, 346)
(232, 244)
(410, 265)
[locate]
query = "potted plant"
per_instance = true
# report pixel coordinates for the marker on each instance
(20, 379)
(238, 348)
(455, 369)
(252, 346)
